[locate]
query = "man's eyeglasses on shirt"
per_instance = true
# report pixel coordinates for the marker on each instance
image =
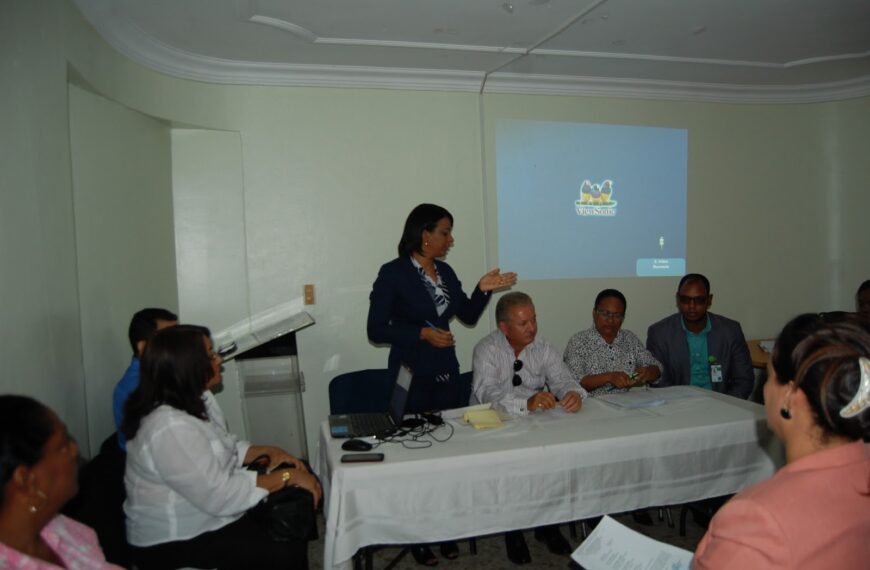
(609, 315)
(518, 365)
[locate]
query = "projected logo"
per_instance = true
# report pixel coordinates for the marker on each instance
(595, 199)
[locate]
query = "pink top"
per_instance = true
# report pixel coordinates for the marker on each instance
(813, 513)
(74, 543)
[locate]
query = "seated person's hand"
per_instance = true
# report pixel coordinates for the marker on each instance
(297, 478)
(277, 456)
(646, 374)
(541, 401)
(621, 380)
(572, 402)
(439, 338)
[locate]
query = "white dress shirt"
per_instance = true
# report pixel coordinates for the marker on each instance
(184, 476)
(493, 368)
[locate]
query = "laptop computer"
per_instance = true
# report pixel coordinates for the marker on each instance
(378, 423)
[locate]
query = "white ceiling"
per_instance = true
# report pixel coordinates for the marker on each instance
(722, 50)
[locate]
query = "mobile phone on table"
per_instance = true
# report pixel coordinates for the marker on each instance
(361, 457)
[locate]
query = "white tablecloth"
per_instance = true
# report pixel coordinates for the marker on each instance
(548, 467)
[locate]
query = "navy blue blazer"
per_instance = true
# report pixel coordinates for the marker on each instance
(399, 307)
(666, 340)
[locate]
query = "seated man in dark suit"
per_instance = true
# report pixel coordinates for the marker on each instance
(700, 348)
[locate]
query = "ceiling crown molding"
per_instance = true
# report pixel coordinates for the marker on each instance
(675, 90)
(142, 48)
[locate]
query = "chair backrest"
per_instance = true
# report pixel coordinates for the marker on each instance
(359, 392)
(465, 380)
(99, 502)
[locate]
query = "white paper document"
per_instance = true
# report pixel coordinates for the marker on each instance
(614, 546)
(634, 399)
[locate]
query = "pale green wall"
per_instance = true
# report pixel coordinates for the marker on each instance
(125, 238)
(40, 338)
(211, 251)
(329, 174)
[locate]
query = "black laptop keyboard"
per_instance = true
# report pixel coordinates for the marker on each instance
(370, 424)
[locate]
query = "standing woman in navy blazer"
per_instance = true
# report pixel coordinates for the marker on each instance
(413, 300)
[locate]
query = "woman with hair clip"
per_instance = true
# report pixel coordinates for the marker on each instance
(38, 467)
(188, 494)
(815, 511)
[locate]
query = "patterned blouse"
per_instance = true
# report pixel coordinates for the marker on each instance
(588, 353)
(74, 543)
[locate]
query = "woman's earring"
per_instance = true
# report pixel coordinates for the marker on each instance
(33, 508)
(786, 415)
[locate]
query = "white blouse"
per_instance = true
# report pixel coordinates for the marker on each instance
(184, 476)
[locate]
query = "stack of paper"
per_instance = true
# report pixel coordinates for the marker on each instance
(482, 419)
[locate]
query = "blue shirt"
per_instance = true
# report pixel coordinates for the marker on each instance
(699, 365)
(125, 386)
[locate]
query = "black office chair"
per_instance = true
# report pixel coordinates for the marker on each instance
(99, 502)
(360, 392)
(367, 391)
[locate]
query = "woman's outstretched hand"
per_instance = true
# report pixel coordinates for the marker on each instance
(495, 280)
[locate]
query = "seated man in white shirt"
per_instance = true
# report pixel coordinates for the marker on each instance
(520, 373)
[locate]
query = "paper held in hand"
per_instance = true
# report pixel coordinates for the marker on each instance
(613, 546)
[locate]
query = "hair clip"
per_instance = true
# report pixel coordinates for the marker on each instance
(861, 401)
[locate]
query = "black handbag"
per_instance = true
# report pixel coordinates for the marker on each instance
(286, 515)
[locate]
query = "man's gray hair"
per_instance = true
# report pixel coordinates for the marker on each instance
(509, 301)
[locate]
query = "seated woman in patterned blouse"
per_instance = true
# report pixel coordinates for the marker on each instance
(605, 358)
(38, 470)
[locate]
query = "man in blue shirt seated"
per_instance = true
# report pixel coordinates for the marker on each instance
(143, 325)
(700, 348)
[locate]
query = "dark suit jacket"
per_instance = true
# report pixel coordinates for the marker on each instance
(401, 305)
(666, 340)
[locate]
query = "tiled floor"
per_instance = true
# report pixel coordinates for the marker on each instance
(491, 551)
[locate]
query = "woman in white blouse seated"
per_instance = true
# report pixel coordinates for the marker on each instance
(188, 494)
(606, 358)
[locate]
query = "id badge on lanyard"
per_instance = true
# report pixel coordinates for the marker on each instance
(716, 373)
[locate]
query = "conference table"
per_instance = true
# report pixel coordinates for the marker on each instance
(549, 467)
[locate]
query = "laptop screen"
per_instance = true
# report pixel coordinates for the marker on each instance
(399, 399)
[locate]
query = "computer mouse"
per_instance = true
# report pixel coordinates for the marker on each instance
(356, 445)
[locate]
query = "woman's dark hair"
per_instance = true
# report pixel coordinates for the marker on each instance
(423, 217)
(606, 294)
(175, 370)
(820, 352)
(25, 427)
